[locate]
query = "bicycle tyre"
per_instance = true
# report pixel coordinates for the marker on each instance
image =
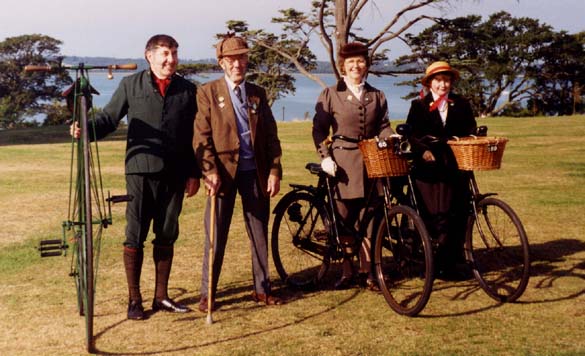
(403, 257)
(87, 266)
(497, 247)
(300, 240)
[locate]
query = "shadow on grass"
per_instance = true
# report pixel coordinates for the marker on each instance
(550, 261)
(225, 300)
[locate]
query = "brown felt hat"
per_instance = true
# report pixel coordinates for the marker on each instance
(353, 49)
(436, 68)
(231, 45)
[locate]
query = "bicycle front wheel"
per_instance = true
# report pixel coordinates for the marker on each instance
(497, 247)
(403, 258)
(300, 240)
(87, 251)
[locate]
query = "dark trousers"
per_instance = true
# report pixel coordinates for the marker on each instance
(157, 198)
(443, 211)
(256, 212)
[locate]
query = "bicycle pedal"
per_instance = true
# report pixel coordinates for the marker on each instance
(120, 198)
(50, 248)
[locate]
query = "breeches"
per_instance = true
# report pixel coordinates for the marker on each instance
(157, 199)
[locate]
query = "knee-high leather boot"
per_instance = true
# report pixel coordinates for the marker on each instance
(133, 264)
(163, 260)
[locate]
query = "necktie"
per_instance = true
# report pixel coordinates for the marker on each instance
(238, 92)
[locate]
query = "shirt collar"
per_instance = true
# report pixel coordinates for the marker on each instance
(359, 86)
(232, 85)
(437, 96)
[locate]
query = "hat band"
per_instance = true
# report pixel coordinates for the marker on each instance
(440, 69)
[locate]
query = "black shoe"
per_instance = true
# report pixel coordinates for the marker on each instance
(169, 305)
(135, 310)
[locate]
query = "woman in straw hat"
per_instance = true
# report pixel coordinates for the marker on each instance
(442, 114)
(351, 108)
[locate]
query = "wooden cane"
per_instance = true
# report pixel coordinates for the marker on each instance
(210, 259)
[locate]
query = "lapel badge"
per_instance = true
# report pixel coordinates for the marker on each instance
(349, 97)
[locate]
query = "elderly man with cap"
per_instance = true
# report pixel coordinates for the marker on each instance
(237, 147)
(352, 108)
(442, 114)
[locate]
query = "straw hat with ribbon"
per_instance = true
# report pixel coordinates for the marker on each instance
(436, 68)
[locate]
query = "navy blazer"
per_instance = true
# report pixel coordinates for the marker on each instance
(460, 122)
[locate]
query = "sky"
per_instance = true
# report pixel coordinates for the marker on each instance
(120, 28)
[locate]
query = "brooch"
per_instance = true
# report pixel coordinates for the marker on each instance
(253, 103)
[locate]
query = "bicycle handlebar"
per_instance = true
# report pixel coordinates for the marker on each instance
(49, 68)
(38, 68)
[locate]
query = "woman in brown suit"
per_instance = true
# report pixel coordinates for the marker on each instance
(351, 108)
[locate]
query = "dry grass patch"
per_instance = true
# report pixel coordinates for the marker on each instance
(542, 178)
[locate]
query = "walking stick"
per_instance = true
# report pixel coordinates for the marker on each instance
(210, 259)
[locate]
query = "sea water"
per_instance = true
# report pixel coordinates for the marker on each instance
(297, 106)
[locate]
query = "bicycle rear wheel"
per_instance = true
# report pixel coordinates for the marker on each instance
(300, 240)
(497, 247)
(404, 261)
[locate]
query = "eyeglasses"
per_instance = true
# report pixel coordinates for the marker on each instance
(242, 58)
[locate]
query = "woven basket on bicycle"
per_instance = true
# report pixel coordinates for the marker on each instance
(478, 153)
(382, 161)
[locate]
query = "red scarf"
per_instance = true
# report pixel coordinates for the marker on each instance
(435, 105)
(162, 84)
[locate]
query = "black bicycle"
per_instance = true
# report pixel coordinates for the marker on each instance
(496, 244)
(305, 232)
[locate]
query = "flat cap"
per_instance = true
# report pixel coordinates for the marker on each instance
(231, 45)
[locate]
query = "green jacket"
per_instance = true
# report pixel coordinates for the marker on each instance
(160, 129)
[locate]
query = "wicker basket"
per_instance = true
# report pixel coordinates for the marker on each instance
(382, 162)
(478, 153)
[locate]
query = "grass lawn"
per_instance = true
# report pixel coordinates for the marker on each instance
(542, 178)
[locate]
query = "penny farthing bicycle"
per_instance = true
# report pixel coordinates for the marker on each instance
(89, 210)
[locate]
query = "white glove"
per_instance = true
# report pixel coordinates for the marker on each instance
(328, 165)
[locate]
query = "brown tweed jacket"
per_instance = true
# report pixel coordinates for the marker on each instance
(216, 141)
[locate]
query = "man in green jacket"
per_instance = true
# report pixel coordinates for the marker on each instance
(160, 164)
